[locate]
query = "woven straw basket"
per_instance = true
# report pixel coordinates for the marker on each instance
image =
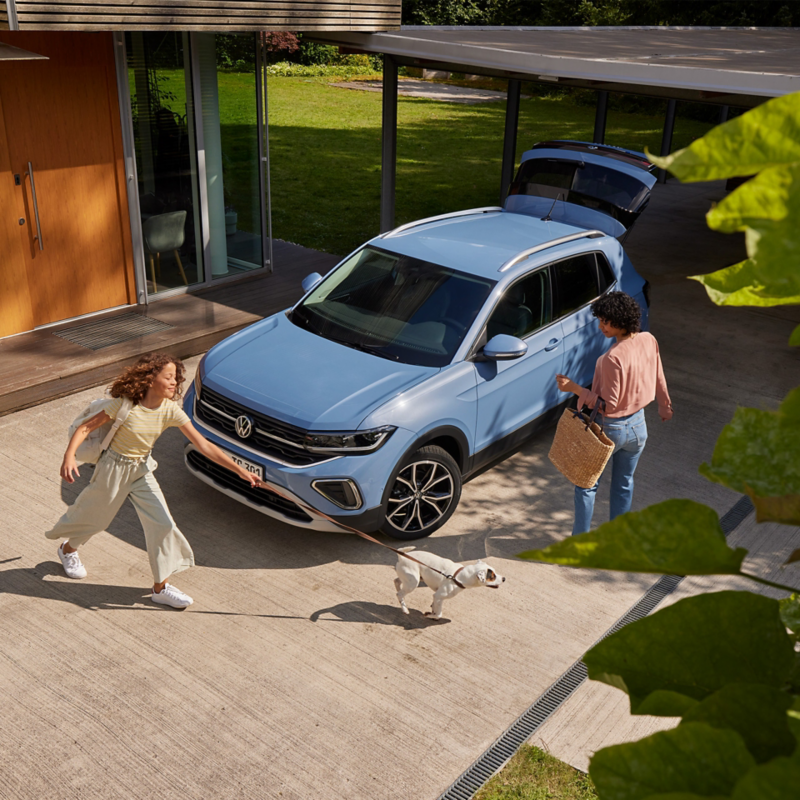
(580, 449)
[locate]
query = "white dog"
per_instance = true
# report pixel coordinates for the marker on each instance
(434, 571)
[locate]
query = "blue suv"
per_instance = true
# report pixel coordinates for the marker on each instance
(427, 353)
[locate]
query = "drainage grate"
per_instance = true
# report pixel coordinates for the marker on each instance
(112, 330)
(507, 745)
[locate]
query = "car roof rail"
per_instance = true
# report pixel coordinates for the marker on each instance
(468, 212)
(547, 245)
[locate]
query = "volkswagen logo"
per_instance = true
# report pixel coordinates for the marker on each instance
(244, 426)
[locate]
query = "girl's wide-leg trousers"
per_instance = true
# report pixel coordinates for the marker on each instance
(115, 478)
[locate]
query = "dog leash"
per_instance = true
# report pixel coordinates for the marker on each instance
(270, 488)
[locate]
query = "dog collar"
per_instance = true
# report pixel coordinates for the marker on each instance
(457, 582)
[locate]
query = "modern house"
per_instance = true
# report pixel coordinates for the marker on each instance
(124, 174)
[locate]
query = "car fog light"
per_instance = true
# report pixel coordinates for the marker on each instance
(341, 492)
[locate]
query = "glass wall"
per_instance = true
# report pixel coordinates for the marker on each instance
(199, 174)
(227, 67)
(160, 84)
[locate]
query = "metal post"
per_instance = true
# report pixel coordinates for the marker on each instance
(666, 139)
(11, 10)
(131, 176)
(262, 110)
(388, 143)
(723, 114)
(600, 116)
(510, 137)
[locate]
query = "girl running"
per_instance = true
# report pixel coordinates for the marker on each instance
(125, 469)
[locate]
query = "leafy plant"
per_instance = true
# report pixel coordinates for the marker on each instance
(726, 662)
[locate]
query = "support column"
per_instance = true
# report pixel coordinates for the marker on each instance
(600, 115)
(666, 138)
(510, 137)
(388, 143)
(723, 114)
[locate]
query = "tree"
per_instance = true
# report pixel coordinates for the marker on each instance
(723, 661)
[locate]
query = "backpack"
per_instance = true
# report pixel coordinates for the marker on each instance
(90, 450)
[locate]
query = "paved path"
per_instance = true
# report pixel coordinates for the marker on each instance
(430, 90)
(294, 674)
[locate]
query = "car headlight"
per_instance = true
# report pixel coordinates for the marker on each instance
(347, 441)
(199, 375)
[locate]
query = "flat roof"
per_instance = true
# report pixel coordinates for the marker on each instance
(735, 66)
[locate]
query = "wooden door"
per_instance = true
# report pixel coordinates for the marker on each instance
(62, 117)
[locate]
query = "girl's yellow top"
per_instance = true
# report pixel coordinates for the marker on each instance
(137, 435)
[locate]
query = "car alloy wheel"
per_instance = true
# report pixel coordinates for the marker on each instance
(424, 494)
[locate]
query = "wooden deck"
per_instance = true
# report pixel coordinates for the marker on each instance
(40, 366)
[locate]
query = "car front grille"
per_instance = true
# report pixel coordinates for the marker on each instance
(261, 497)
(273, 438)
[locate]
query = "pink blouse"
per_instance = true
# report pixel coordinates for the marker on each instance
(629, 377)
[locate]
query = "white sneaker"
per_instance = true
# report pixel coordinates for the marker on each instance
(170, 596)
(72, 563)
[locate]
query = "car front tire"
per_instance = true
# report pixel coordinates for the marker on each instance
(424, 493)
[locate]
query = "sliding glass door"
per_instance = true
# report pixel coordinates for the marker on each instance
(198, 109)
(163, 117)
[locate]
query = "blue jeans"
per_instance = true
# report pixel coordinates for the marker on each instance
(629, 435)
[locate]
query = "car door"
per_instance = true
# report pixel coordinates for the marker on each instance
(577, 281)
(513, 393)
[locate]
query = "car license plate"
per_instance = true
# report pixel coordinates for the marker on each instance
(256, 469)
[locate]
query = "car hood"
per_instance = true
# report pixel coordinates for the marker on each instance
(283, 371)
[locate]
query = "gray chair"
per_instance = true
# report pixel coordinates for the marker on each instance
(162, 233)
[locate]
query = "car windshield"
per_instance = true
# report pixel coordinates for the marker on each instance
(584, 184)
(395, 306)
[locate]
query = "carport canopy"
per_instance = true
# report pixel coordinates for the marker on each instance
(723, 66)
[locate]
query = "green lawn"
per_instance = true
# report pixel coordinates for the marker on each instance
(325, 147)
(325, 155)
(532, 774)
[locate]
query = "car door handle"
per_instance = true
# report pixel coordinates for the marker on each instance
(552, 344)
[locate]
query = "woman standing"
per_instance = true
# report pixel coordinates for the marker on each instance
(627, 377)
(126, 469)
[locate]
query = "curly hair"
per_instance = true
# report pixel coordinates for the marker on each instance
(619, 310)
(138, 378)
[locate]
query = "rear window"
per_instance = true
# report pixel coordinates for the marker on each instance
(591, 185)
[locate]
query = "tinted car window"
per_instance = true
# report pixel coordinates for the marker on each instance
(576, 283)
(395, 306)
(592, 185)
(604, 273)
(524, 308)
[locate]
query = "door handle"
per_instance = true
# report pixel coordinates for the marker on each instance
(38, 237)
(552, 344)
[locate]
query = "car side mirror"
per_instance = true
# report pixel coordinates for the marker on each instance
(310, 281)
(504, 348)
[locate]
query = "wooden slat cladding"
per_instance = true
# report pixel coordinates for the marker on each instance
(207, 15)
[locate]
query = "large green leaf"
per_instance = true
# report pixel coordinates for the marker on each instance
(765, 136)
(778, 780)
(695, 647)
(793, 717)
(790, 612)
(692, 758)
(681, 537)
(744, 284)
(663, 703)
(768, 209)
(756, 712)
(794, 339)
(759, 453)
(686, 796)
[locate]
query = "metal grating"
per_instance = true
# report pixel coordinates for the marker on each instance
(112, 330)
(496, 757)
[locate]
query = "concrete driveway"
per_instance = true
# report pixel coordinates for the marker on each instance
(294, 674)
